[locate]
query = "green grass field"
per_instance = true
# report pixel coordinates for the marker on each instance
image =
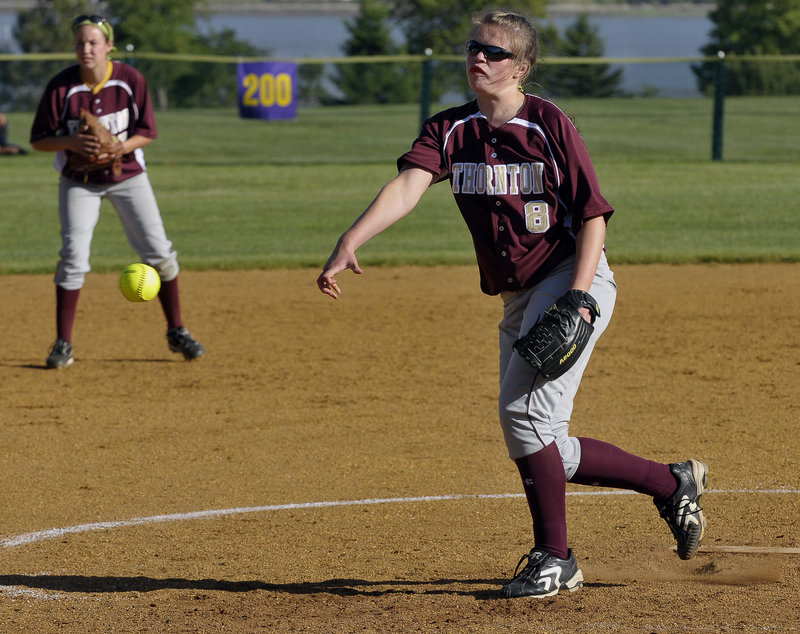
(240, 193)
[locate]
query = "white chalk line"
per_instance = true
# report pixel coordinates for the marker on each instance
(53, 533)
(763, 550)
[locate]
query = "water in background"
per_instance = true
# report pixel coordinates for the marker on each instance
(292, 36)
(656, 36)
(7, 21)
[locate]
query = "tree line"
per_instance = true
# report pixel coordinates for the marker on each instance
(752, 27)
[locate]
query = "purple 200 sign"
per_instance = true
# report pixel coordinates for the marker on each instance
(266, 90)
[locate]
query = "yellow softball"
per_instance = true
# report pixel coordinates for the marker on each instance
(139, 282)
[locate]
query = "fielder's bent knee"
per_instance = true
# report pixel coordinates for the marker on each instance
(167, 269)
(69, 276)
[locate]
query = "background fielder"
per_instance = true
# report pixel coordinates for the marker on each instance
(117, 94)
(527, 189)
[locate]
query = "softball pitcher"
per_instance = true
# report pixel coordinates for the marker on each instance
(526, 187)
(117, 94)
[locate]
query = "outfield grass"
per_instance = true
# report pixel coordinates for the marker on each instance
(240, 193)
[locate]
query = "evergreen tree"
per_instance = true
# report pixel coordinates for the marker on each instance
(443, 26)
(44, 28)
(754, 27)
(41, 29)
(169, 26)
(385, 82)
(581, 39)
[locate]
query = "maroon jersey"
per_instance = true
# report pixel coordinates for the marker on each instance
(121, 102)
(523, 188)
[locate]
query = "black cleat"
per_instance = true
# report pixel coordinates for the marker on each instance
(180, 340)
(60, 355)
(544, 575)
(682, 512)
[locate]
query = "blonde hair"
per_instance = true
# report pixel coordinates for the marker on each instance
(524, 41)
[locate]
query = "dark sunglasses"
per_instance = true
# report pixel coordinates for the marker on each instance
(490, 52)
(93, 18)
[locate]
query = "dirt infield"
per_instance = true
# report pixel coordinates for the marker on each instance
(338, 466)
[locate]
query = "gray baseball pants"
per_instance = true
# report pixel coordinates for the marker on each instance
(135, 204)
(533, 412)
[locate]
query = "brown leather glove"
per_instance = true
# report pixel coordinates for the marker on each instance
(109, 144)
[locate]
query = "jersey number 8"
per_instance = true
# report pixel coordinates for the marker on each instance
(537, 216)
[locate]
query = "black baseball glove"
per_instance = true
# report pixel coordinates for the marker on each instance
(556, 340)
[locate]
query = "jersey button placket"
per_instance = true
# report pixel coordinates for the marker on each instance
(501, 228)
(504, 253)
(503, 250)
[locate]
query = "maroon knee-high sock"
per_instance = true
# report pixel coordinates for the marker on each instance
(66, 308)
(170, 303)
(545, 487)
(603, 464)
